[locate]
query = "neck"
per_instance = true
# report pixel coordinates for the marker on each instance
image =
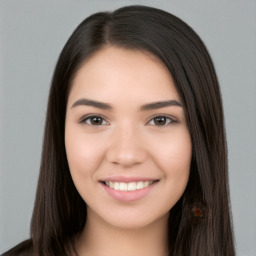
(102, 239)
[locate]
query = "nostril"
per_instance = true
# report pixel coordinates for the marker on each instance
(125, 156)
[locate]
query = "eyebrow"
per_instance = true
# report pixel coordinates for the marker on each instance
(92, 103)
(160, 104)
(106, 106)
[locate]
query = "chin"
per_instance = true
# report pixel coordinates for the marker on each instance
(134, 219)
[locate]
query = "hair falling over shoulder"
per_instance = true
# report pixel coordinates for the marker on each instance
(200, 222)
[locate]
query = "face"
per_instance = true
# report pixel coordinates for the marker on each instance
(127, 142)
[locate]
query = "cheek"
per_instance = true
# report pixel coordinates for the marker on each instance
(84, 153)
(174, 151)
(173, 157)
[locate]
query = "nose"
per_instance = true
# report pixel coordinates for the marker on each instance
(126, 148)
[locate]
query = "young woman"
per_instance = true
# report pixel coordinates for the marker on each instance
(134, 156)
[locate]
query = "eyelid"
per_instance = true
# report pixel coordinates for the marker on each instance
(173, 119)
(86, 117)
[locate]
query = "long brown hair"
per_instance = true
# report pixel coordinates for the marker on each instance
(200, 223)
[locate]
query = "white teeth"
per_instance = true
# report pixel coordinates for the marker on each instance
(111, 184)
(116, 185)
(123, 186)
(130, 186)
(140, 185)
(146, 183)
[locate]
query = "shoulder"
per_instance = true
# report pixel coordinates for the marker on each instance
(22, 249)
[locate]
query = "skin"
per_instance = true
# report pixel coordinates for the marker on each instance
(128, 142)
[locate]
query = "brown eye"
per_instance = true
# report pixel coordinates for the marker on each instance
(94, 120)
(161, 121)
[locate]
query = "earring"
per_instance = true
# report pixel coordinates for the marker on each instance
(197, 211)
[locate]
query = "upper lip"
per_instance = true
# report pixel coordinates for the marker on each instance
(127, 179)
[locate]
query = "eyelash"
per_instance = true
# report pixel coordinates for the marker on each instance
(167, 117)
(170, 119)
(90, 117)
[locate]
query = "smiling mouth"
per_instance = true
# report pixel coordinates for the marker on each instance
(130, 186)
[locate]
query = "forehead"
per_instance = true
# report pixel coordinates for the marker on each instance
(113, 72)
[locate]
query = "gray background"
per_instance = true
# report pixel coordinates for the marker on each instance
(32, 35)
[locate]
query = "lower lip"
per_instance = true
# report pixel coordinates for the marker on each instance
(128, 196)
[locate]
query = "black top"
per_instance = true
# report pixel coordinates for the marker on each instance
(22, 249)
